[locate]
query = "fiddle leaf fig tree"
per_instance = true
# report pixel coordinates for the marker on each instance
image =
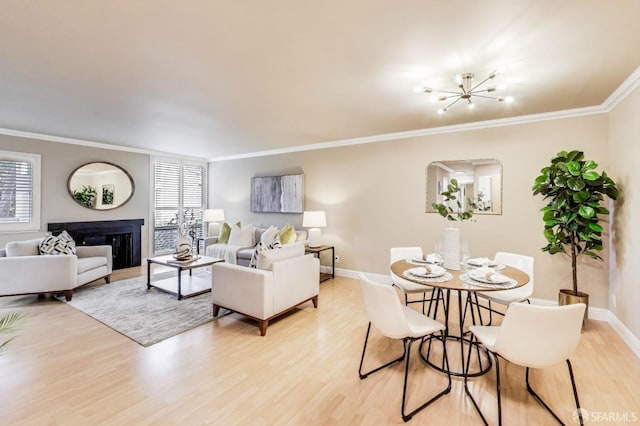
(575, 191)
(451, 194)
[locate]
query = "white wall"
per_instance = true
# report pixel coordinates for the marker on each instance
(374, 196)
(624, 142)
(58, 162)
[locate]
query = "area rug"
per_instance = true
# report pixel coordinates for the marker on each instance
(145, 316)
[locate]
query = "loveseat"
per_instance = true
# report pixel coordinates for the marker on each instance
(283, 279)
(241, 255)
(23, 270)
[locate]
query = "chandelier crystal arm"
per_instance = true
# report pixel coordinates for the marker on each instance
(482, 82)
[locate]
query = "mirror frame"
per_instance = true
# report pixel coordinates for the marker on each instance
(128, 176)
(472, 163)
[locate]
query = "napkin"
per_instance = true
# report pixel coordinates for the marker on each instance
(488, 274)
(431, 258)
(429, 270)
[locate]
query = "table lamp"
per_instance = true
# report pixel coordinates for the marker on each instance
(212, 217)
(314, 220)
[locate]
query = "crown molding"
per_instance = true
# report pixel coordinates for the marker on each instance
(92, 144)
(625, 89)
(465, 127)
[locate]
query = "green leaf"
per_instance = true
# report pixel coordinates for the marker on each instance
(581, 196)
(583, 236)
(591, 175)
(586, 211)
(595, 227)
(576, 184)
(589, 165)
(574, 168)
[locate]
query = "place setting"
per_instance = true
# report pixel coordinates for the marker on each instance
(430, 272)
(486, 276)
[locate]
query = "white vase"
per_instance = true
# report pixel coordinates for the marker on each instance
(452, 248)
(183, 248)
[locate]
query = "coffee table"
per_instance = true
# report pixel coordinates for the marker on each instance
(181, 287)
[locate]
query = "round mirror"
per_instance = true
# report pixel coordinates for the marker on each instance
(100, 186)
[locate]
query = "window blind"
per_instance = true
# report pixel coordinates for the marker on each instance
(16, 191)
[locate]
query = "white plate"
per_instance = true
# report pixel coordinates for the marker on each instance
(420, 272)
(481, 276)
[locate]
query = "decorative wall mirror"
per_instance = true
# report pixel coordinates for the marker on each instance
(480, 180)
(100, 186)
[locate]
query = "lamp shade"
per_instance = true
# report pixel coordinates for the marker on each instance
(314, 219)
(213, 215)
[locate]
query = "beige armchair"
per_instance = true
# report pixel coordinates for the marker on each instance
(25, 271)
(286, 278)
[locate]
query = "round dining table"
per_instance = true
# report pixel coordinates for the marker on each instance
(460, 282)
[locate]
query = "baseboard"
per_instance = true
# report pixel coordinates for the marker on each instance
(597, 314)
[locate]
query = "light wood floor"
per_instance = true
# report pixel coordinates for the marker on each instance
(65, 368)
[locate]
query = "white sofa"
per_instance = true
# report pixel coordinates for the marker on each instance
(284, 279)
(24, 271)
(243, 254)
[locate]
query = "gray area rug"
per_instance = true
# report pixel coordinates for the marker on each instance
(145, 316)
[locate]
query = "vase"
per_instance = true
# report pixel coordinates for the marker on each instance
(183, 248)
(452, 248)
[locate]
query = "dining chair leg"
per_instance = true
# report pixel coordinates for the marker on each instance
(466, 384)
(541, 402)
(575, 392)
(407, 416)
(364, 349)
(498, 389)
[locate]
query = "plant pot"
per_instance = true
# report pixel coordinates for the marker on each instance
(568, 297)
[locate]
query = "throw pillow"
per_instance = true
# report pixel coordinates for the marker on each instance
(268, 257)
(287, 234)
(269, 235)
(241, 236)
(224, 234)
(262, 247)
(62, 244)
(23, 248)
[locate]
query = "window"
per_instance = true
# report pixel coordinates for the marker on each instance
(19, 192)
(178, 201)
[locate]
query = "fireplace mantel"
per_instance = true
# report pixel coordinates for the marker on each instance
(123, 235)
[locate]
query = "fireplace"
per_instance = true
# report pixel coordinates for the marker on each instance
(124, 236)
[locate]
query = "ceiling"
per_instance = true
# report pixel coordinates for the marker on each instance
(222, 78)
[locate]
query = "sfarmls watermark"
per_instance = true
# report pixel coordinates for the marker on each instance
(605, 416)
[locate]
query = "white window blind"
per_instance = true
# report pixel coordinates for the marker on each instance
(179, 197)
(19, 191)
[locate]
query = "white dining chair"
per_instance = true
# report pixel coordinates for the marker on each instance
(507, 297)
(397, 321)
(534, 337)
(426, 292)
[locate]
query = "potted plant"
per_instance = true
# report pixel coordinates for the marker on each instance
(9, 324)
(87, 196)
(575, 191)
(460, 214)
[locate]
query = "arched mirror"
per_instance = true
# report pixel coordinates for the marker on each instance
(100, 186)
(479, 180)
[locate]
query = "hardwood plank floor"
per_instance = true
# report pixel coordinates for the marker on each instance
(64, 368)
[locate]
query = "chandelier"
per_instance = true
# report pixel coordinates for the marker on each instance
(467, 90)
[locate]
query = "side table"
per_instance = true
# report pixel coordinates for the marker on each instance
(316, 252)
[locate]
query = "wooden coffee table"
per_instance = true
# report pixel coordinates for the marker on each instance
(181, 287)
